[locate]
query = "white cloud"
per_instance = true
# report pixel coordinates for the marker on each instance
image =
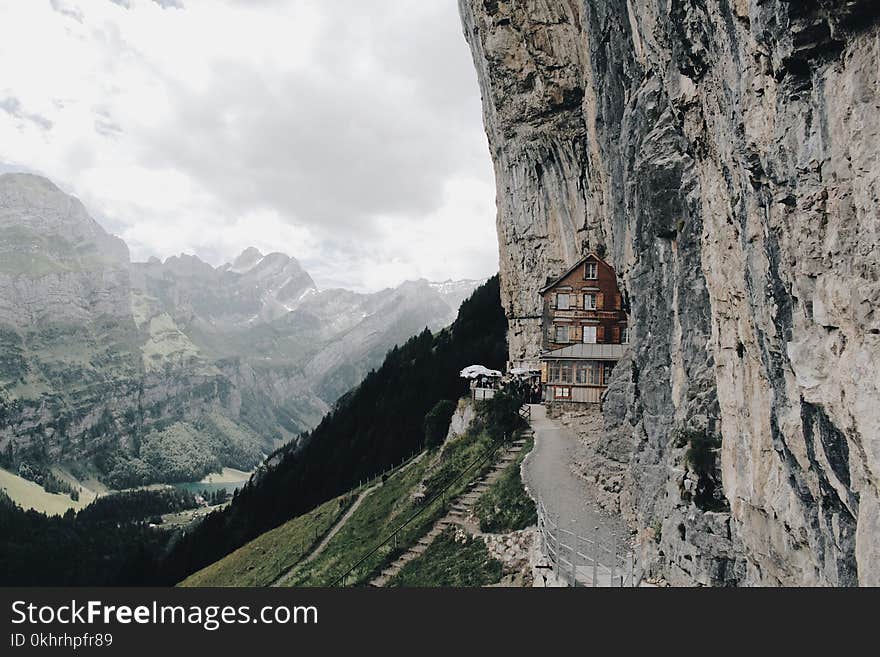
(345, 133)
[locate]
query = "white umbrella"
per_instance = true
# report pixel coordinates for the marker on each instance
(474, 371)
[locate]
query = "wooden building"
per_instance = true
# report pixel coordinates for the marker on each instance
(585, 331)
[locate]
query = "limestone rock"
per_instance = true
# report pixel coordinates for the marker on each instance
(723, 157)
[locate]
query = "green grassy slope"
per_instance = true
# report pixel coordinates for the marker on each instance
(263, 560)
(456, 559)
(377, 516)
(266, 558)
(448, 562)
(506, 507)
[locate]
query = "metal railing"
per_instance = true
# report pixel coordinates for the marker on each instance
(366, 483)
(482, 394)
(585, 561)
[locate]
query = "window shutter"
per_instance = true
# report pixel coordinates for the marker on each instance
(577, 331)
(600, 334)
(615, 335)
(543, 372)
(600, 301)
(617, 303)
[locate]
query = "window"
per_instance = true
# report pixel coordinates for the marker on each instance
(561, 372)
(565, 372)
(590, 334)
(562, 393)
(562, 302)
(562, 333)
(591, 271)
(609, 368)
(588, 373)
(624, 335)
(589, 302)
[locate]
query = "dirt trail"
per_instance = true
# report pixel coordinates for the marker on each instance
(335, 530)
(339, 525)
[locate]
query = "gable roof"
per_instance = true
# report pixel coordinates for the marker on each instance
(558, 279)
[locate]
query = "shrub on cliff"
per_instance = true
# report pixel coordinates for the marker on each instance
(437, 423)
(702, 459)
(500, 415)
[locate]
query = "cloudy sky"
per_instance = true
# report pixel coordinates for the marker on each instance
(346, 133)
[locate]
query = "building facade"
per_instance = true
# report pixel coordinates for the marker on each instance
(585, 332)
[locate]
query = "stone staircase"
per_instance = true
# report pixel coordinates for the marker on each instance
(459, 509)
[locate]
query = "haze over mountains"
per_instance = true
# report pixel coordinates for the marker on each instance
(163, 371)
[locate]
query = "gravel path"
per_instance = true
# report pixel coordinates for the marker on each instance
(548, 476)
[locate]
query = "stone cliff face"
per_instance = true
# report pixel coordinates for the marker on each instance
(53, 253)
(723, 156)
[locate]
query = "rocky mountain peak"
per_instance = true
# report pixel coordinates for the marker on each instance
(245, 260)
(38, 216)
(56, 262)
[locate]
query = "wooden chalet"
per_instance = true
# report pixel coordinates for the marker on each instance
(585, 332)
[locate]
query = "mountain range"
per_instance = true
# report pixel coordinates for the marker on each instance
(131, 373)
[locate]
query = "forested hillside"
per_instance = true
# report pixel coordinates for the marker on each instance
(108, 543)
(370, 429)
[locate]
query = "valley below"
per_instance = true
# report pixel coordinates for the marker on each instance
(117, 375)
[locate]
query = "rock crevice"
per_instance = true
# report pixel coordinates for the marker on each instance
(724, 156)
